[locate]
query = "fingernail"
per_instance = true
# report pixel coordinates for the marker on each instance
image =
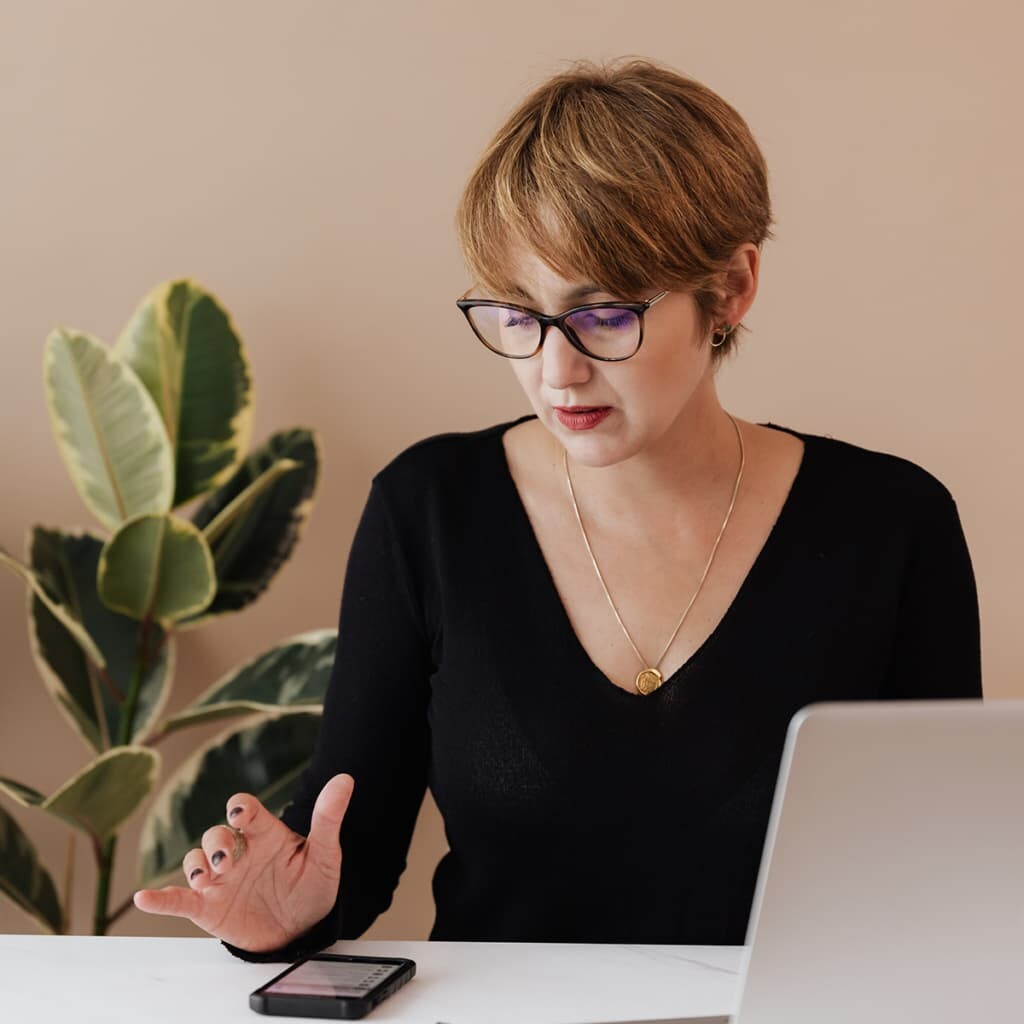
(217, 857)
(195, 871)
(235, 812)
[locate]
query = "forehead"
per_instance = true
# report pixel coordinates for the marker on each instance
(529, 277)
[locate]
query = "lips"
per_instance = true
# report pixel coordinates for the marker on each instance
(581, 417)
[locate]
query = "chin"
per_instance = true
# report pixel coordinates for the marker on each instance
(594, 451)
(603, 445)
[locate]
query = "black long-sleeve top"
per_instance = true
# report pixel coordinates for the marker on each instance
(574, 810)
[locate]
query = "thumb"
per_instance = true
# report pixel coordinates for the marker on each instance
(328, 812)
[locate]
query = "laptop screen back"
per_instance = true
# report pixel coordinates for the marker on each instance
(892, 885)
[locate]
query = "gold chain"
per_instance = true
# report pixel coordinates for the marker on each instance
(649, 678)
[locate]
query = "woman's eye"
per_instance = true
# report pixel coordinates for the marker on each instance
(616, 322)
(517, 320)
(612, 320)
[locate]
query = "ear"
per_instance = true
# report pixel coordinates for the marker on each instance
(739, 284)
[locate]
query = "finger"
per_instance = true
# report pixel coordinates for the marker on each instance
(221, 847)
(245, 812)
(328, 813)
(171, 900)
(197, 869)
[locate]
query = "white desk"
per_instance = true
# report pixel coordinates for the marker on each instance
(81, 979)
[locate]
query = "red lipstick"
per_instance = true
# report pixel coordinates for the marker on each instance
(581, 417)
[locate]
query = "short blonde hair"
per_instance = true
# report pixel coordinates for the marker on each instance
(629, 174)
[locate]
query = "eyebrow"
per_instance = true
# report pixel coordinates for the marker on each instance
(580, 292)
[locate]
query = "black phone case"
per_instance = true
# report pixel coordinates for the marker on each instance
(331, 1007)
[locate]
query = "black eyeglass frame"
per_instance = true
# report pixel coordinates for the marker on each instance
(561, 322)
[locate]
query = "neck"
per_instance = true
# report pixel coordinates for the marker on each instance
(678, 477)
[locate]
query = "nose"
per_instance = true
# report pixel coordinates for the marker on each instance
(563, 366)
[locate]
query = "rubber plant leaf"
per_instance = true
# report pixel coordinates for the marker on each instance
(265, 759)
(181, 343)
(20, 793)
(102, 796)
(24, 880)
(157, 567)
(80, 635)
(90, 696)
(108, 430)
(293, 674)
(253, 525)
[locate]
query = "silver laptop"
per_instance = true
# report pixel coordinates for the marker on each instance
(892, 883)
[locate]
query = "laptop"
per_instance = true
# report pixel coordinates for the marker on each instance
(891, 886)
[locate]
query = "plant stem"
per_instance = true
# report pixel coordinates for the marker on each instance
(101, 920)
(120, 911)
(158, 737)
(124, 729)
(109, 683)
(69, 882)
(104, 867)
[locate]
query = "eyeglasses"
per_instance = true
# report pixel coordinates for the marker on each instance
(609, 331)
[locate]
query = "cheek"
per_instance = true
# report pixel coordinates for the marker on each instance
(528, 376)
(663, 382)
(680, 359)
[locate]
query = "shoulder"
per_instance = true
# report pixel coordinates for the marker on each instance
(862, 479)
(453, 458)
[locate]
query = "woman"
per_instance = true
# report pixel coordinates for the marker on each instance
(587, 630)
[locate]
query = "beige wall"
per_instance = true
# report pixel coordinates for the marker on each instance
(303, 160)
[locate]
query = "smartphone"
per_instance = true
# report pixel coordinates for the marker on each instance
(331, 985)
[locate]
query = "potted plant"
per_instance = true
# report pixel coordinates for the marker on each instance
(159, 421)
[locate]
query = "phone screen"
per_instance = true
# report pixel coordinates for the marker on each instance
(336, 978)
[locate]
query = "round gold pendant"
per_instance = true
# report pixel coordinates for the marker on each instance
(648, 681)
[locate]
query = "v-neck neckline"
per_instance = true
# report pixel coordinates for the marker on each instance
(757, 568)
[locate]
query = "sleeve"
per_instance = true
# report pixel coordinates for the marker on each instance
(374, 727)
(937, 647)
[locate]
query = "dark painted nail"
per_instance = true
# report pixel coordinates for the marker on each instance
(195, 871)
(217, 857)
(235, 812)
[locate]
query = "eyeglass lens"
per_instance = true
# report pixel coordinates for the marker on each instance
(611, 333)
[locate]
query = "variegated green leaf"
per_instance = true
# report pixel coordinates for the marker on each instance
(241, 504)
(265, 760)
(101, 797)
(182, 345)
(61, 613)
(254, 538)
(20, 793)
(24, 880)
(108, 430)
(69, 563)
(157, 566)
(292, 675)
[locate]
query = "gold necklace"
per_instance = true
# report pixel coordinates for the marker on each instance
(649, 678)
